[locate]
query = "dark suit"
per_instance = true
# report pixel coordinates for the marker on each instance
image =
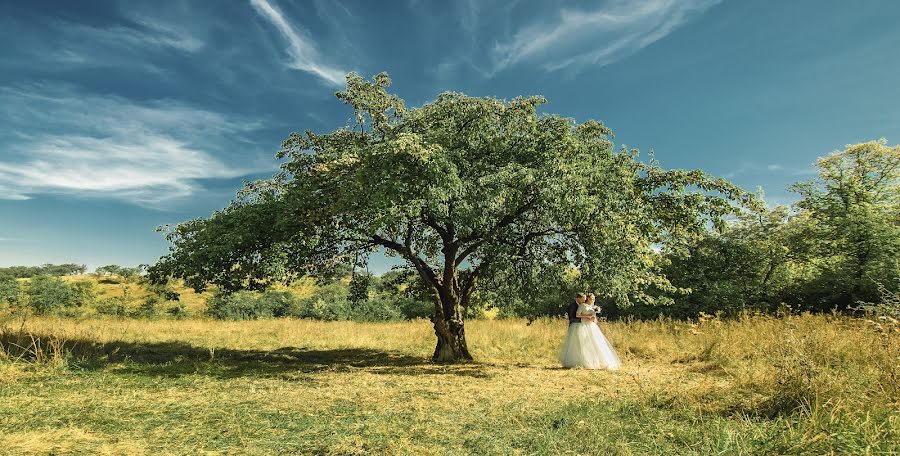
(571, 312)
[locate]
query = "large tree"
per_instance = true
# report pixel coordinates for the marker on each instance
(854, 237)
(464, 190)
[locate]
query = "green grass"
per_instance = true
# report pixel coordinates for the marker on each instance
(759, 385)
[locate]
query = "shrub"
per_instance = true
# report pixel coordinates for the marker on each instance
(380, 308)
(147, 309)
(85, 292)
(278, 303)
(162, 290)
(46, 294)
(328, 303)
(177, 311)
(359, 287)
(114, 306)
(249, 305)
(10, 291)
(412, 308)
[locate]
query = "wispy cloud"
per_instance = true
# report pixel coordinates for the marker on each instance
(55, 44)
(89, 145)
(148, 33)
(302, 52)
(578, 38)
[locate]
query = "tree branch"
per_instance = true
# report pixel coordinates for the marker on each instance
(507, 220)
(429, 220)
(406, 250)
(469, 283)
(468, 251)
(387, 243)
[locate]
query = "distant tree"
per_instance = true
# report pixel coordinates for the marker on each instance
(64, 269)
(463, 189)
(854, 237)
(108, 270)
(126, 273)
(744, 266)
(47, 269)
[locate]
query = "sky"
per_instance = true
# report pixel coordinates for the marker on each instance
(117, 117)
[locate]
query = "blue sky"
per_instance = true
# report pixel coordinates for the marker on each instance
(117, 117)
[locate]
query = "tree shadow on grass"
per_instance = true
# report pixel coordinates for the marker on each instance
(175, 359)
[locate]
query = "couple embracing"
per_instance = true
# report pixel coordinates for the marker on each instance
(585, 345)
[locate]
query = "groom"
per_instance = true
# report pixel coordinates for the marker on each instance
(572, 310)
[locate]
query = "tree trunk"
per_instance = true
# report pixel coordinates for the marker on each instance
(450, 302)
(449, 327)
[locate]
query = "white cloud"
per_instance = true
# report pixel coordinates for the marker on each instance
(774, 167)
(89, 145)
(164, 34)
(304, 56)
(50, 45)
(152, 34)
(578, 38)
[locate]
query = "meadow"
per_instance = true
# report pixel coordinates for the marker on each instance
(794, 384)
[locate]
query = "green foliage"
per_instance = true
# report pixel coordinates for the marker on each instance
(329, 303)
(113, 306)
(838, 247)
(163, 290)
(149, 308)
(379, 308)
(85, 292)
(854, 234)
(542, 295)
(22, 272)
(177, 311)
(247, 305)
(10, 290)
(359, 287)
(743, 267)
(112, 271)
(46, 294)
(886, 310)
(403, 288)
(464, 190)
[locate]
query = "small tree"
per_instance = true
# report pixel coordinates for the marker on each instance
(462, 189)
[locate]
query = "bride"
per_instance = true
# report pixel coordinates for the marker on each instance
(585, 345)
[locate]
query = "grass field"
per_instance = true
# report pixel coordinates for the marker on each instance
(760, 385)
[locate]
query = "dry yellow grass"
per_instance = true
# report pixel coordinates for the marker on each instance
(758, 384)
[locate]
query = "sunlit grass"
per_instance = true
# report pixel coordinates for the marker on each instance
(802, 384)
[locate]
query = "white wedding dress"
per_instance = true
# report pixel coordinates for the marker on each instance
(586, 346)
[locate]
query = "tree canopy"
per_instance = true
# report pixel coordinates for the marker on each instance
(466, 190)
(854, 207)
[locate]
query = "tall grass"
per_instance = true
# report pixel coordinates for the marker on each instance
(805, 383)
